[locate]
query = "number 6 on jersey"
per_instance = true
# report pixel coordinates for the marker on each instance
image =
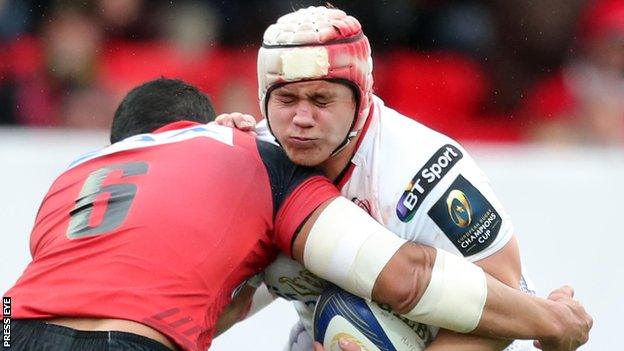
(117, 205)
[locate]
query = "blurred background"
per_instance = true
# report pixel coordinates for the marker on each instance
(534, 88)
(496, 70)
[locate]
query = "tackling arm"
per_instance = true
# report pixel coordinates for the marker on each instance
(339, 242)
(503, 265)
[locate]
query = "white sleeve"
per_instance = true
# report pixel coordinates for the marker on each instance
(487, 228)
(449, 203)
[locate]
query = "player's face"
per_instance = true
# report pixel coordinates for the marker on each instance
(311, 119)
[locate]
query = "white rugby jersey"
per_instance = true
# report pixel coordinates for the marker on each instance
(424, 187)
(418, 183)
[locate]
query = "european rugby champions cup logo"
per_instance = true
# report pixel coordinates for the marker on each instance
(466, 217)
(459, 208)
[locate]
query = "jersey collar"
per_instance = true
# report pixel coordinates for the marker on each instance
(175, 125)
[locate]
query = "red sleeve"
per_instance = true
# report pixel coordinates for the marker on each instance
(299, 205)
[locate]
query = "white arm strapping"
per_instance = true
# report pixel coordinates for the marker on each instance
(349, 248)
(455, 296)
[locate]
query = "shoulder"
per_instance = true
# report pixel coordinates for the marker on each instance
(405, 144)
(415, 164)
(395, 127)
(421, 174)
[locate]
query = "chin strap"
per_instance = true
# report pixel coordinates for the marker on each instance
(344, 144)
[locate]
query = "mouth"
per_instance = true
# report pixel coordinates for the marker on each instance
(301, 142)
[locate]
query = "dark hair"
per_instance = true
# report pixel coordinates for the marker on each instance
(157, 103)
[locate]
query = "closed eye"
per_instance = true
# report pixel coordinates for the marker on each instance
(321, 103)
(285, 99)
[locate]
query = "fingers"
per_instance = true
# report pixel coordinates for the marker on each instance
(563, 292)
(576, 321)
(225, 120)
(345, 345)
(243, 121)
(589, 323)
(237, 120)
(568, 290)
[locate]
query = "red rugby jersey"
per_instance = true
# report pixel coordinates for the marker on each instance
(161, 228)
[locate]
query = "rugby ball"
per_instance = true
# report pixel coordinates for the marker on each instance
(374, 327)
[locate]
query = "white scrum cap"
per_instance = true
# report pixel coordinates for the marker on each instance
(317, 43)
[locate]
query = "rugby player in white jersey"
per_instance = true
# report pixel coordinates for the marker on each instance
(315, 89)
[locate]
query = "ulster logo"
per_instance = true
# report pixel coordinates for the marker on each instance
(459, 208)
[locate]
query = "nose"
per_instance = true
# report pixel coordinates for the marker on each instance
(303, 117)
